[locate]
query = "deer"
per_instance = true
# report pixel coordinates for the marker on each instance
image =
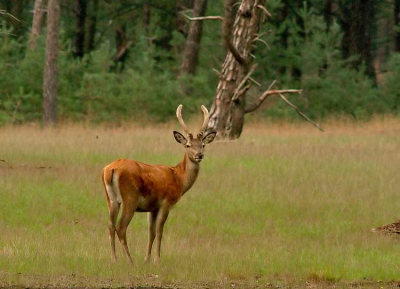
(154, 189)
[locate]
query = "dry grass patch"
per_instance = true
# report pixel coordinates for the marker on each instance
(284, 202)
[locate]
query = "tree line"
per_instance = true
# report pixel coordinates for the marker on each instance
(133, 60)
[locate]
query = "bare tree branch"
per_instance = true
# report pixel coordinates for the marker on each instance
(262, 41)
(216, 71)
(242, 91)
(203, 18)
(254, 81)
(271, 85)
(264, 33)
(267, 93)
(280, 93)
(236, 95)
(299, 112)
(122, 51)
(4, 12)
(6, 33)
(263, 97)
(236, 4)
(265, 10)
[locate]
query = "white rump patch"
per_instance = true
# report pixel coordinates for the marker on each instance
(113, 189)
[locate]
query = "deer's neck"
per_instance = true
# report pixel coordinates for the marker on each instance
(188, 171)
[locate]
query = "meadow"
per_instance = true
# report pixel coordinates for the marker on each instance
(285, 204)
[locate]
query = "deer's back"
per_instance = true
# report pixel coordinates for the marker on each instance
(153, 183)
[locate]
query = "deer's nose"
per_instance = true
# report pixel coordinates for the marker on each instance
(200, 156)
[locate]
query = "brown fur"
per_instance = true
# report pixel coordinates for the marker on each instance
(153, 183)
(149, 188)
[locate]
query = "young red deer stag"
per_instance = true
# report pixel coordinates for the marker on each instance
(154, 189)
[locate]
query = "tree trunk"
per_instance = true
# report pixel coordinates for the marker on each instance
(328, 14)
(180, 22)
(367, 27)
(50, 69)
(396, 24)
(228, 110)
(283, 40)
(296, 70)
(146, 16)
(92, 26)
(79, 49)
(122, 45)
(37, 23)
(192, 47)
(358, 24)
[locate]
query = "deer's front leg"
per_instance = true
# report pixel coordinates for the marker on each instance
(151, 218)
(160, 221)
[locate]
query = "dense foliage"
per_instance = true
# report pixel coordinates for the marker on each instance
(304, 51)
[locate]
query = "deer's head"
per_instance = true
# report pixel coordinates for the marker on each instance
(194, 146)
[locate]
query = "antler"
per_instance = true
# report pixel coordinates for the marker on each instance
(180, 119)
(205, 122)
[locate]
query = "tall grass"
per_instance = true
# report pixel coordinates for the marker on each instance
(283, 202)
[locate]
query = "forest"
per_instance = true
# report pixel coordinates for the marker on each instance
(276, 203)
(135, 61)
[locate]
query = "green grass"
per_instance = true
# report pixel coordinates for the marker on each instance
(282, 203)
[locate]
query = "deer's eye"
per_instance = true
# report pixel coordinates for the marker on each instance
(187, 145)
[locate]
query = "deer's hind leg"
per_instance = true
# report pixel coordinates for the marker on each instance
(113, 208)
(129, 206)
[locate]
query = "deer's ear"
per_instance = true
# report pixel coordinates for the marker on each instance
(209, 137)
(180, 138)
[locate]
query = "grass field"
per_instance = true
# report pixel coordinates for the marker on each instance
(283, 204)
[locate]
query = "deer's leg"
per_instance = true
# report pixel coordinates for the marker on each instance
(160, 221)
(151, 218)
(128, 210)
(113, 208)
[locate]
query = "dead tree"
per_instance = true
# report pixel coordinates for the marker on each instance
(230, 103)
(50, 69)
(37, 22)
